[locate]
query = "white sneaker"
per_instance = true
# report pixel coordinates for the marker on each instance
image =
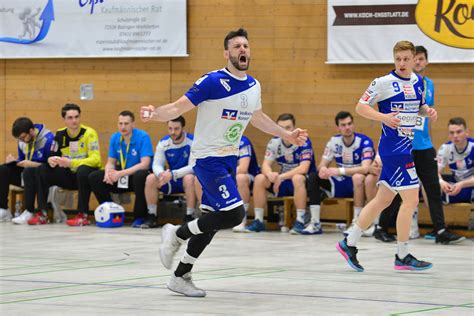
(414, 231)
(23, 218)
(240, 228)
(312, 229)
(369, 232)
(170, 244)
(5, 215)
(184, 285)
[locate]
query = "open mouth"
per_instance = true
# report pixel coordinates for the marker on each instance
(243, 59)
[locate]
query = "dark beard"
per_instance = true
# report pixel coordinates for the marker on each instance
(235, 62)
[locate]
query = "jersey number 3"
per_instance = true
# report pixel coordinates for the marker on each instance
(225, 194)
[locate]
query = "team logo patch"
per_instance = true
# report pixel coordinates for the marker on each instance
(229, 114)
(408, 91)
(233, 133)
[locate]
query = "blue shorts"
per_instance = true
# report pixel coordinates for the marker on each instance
(398, 173)
(173, 187)
(341, 187)
(219, 186)
(286, 188)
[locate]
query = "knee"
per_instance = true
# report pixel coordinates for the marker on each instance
(410, 204)
(242, 180)
(4, 170)
(29, 173)
(188, 181)
(298, 180)
(236, 216)
(358, 179)
(259, 181)
(141, 175)
(83, 173)
(44, 170)
(151, 180)
(95, 176)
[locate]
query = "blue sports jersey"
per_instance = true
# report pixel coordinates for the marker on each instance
(461, 163)
(422, 138)
(396, 94)
(140, 146)
(362, 148)
(290, 157)
(246, 150)
(225, 106)
(40, 148)
(175, 155)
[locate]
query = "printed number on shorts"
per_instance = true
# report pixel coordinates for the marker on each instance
(225, 194)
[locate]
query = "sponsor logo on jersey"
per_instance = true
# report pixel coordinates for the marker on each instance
(412, 173)
(229, 114)
(233, 133)
(409, 165)
(408, 91)
(405, 106)
(365, 97)
(224, 83)
(198, 82)
(134, 152)
(367, 154)
(252, 84)
(449, 22)
(245, 115)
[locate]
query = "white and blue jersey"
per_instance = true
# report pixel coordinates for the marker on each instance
(290, 157)
(396, 94)
(347, 156)
(40, 148)
(246, 150)
(225, 106)
(461, 164)
(405, 96)
(177, 157)
(422, 139)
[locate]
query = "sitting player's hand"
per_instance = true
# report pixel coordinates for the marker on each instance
(324, 173)
(53, 161)
(276, 185)
(272, 176)
(455, 189)
(446, 187)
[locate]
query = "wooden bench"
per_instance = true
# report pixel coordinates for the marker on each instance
(16, 193)
(332, 209)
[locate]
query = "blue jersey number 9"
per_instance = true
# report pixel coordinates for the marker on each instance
(396, 87)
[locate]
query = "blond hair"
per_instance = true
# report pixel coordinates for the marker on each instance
(403, 46)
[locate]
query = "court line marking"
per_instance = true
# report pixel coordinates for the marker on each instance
(159, 286)
(430, 309)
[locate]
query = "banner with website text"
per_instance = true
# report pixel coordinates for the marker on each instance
(365, 31)
(92, 28)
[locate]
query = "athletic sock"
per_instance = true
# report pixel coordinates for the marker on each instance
(259, 214)
(190, 210)
(354, 236)
(315, 213)
(357, 211)
(402, 249)
(152, 209)
(300, 215)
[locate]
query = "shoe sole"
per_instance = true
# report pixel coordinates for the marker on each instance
(343, 253)
(163, 234)
(410, 268)
(451, 242)
(316, 233)
(184, 293)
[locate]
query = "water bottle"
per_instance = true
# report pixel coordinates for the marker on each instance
(17, 208)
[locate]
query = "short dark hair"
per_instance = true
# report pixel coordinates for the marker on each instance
(240, 32)
(342, 115)
(286, 117)
(457, 121)
(69, 107)
(421, 49)
(21, 125)
(179, 119)
(128, 113)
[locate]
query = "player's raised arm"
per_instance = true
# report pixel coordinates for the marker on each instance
(166, 112)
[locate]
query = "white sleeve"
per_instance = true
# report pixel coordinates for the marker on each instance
(373, 93)
(181, 172)
(258, 106)
(271, 151)
(329, 150)
(159, 160)
(443, 154)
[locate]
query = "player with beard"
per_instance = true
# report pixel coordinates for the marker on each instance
(173, 150)
(227, 100)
